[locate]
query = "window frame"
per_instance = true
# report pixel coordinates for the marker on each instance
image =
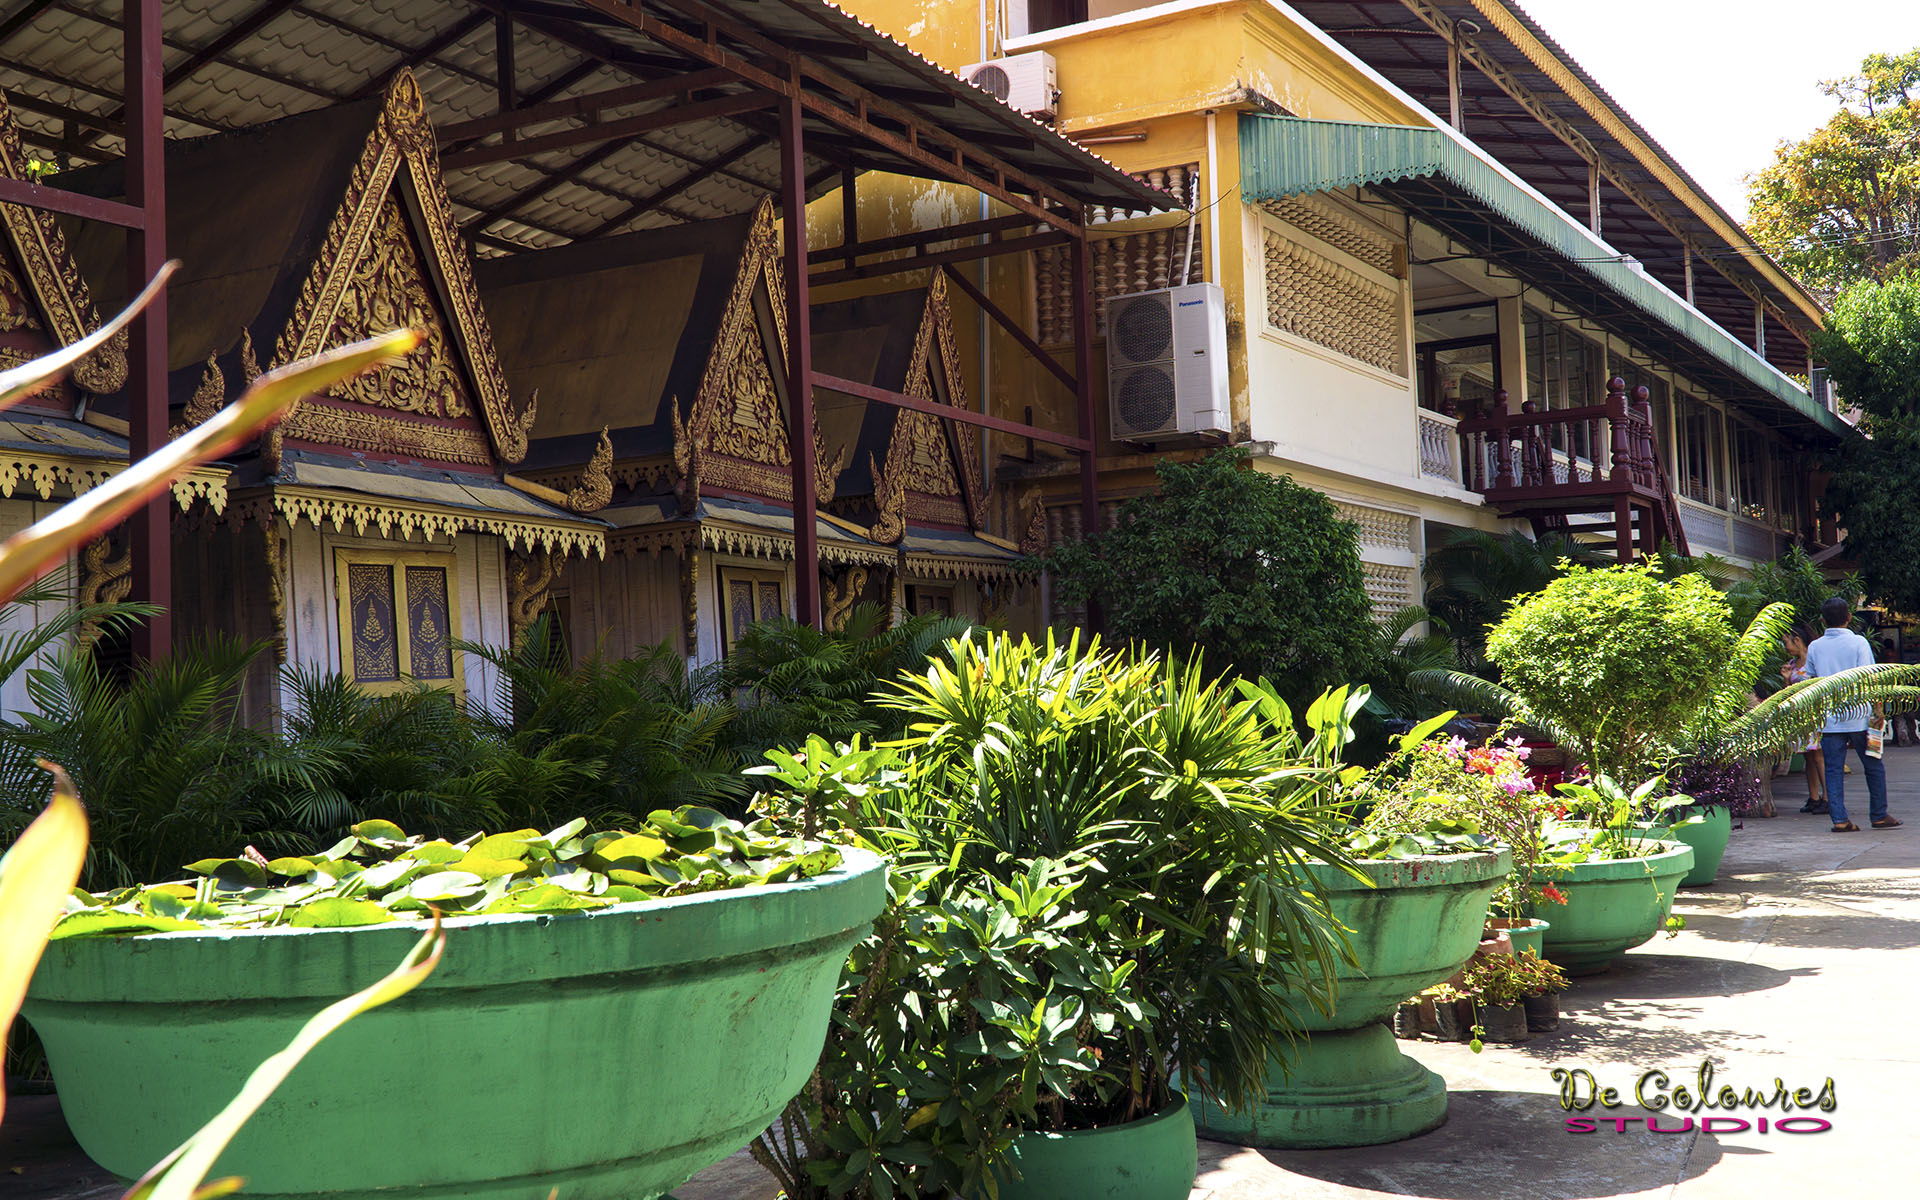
(726, 574)
(396, 562)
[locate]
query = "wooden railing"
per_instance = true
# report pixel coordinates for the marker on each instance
(1596, 449)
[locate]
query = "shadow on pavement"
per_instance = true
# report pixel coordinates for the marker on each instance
(1502, 1146)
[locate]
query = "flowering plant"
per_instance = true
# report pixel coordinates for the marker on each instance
(1439, 782)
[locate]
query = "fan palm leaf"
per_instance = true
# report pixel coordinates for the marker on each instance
(1785, 720)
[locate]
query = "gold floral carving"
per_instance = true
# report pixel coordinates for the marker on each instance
(1033, 539)
(55, 279)
(690, 597)
(104, 579)
(376, 433)
(396, 519)
(349, 289)
(211, 395)
(531, 575)
(276, 543)
(595, 489)
(16, 311)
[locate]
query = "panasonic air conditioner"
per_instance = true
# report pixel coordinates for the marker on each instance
(1167, 362)
(1027, 83)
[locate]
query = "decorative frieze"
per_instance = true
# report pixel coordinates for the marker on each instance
(1330, 304)
(1390, 588)
(1379, 527)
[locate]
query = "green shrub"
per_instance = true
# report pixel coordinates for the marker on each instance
(1183, 802)
(1256, 570)
(1617, 659)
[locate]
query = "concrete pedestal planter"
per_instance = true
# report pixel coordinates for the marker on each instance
(610, 1053)
(1155, 1158)
(1612, 906)
(1708, 839)
(1349, 1084)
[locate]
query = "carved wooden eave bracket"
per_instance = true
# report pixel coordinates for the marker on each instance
(45, 474)
(531, 575)
(734, 433)
(105, 578)
(932, 468)
(66, 311)
(368, 255)
(595, 489)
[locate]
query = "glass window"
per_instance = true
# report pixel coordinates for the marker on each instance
(1702, 453)
(1458, 357)
(1750, 474)
(399, 618)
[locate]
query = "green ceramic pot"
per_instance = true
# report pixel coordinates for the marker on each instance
(610, 1054)
(1155, 1158)
(1526, 933)
(1708, 838)
(1348, 1083)
(1612, 906)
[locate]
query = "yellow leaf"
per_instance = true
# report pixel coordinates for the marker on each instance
(35, 878)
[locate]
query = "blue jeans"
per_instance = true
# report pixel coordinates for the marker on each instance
(1834, 746)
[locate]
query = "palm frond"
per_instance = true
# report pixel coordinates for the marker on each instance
(1785, 720)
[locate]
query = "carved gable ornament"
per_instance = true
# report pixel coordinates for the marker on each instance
(41, 291)
(932, 468)
(734, 433)
(393, 256)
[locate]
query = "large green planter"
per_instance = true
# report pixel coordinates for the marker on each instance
(1612, 906)
(1526, 933)
(1155, 1158)
(609, 1054)
(1349, 1084)
(1708, 838)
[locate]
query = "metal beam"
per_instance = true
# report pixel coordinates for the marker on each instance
(582, 108)
(73, 204)
(1012, 327)
(919, 262)
(966, 416)
(410, 56)
(640, 207)
(800, 424)
(149, 530)
(607, 131)
(925, 237)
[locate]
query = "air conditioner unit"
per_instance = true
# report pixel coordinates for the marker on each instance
(1027, 83)
(1167, 362)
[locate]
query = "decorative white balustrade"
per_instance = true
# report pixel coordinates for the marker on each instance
(1440, 447)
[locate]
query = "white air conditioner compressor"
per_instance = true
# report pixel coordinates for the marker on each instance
(1027, 83)
(1167, 363)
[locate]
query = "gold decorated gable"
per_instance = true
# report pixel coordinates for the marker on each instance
(931, 472)
(44, 301)
(734, 432)
(392, 257)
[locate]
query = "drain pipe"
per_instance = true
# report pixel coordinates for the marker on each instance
(1213, 204)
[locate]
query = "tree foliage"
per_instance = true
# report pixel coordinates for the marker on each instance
(1257, 571)
(1475, 576)
(1843, 203)
(1872, 347)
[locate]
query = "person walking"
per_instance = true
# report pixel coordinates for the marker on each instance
(1794, 670)
(1840, 649)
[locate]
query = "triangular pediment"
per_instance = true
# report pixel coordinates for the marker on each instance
(393, 257)
(931, 472)
(44, 302)
(734, 431)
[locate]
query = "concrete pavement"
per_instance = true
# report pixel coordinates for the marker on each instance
(1799, 963)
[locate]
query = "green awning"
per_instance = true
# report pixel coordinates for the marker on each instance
(1475, 203)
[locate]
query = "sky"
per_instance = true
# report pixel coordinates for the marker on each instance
(1720, 82)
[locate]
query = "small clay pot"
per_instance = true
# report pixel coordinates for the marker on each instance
(1543, 1013)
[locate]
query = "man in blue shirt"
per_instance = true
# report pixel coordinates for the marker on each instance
(1841, 649)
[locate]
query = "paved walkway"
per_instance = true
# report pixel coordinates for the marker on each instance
(1800, 963)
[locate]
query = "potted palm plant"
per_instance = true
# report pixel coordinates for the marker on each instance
(1184, 811)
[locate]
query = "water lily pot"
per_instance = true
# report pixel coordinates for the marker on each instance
(1415, 922)
(1612, 906)
(1154, 1158)
(1708, 837)
(610, 1054)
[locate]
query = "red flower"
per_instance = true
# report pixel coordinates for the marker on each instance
(1553, 894)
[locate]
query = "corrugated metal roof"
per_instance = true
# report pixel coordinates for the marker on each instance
(1288, 156)
(62, 68)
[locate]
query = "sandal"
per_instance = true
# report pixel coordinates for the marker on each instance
(1849, 827)
(1888, 823)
